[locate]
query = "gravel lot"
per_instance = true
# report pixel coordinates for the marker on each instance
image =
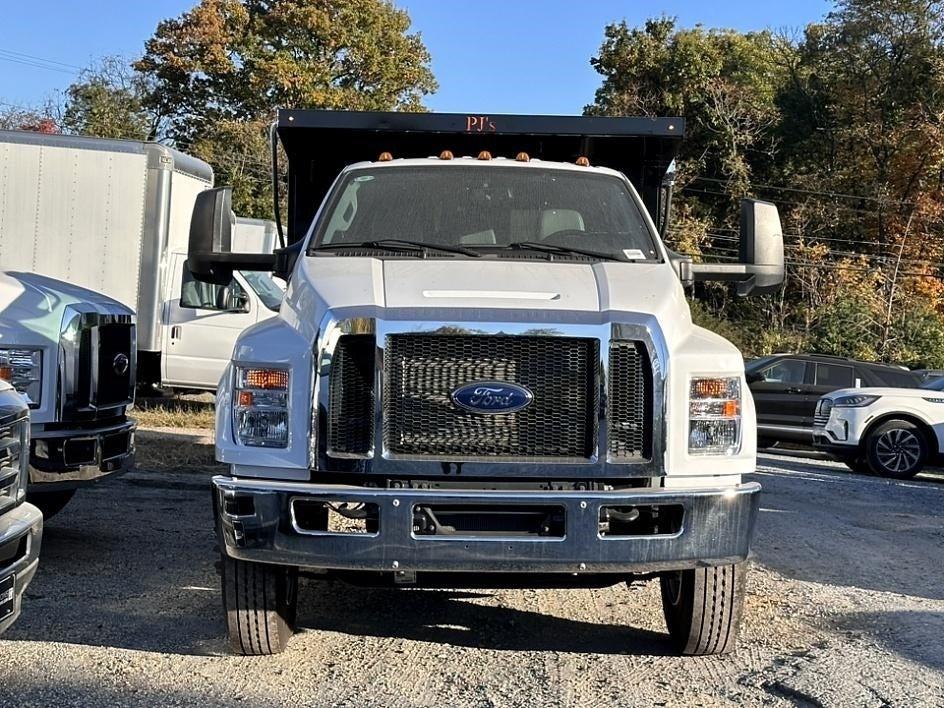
(846, 608)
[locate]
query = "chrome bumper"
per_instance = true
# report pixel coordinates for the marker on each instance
(66, 459)
(21, 532)
(716, 529)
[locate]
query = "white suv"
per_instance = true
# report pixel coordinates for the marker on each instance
(893, 432)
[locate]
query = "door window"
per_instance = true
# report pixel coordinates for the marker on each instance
(834, 375)
(788, 371)
(207, 296)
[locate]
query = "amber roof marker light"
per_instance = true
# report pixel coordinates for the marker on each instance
(485, 155)
(385, 157)
(583, 161)
(446, 155)
(522, 157)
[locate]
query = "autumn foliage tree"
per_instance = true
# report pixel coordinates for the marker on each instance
(842, 126)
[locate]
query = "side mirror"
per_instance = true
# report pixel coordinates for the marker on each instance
(238, 302)
(209, 254)
(211, 234)
(754, 377)
(761, 269)
(761, 245)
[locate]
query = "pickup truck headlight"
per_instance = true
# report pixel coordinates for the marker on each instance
(261, 407)
(14, 461)
(714, 416)
(22, 368)
(858, 400)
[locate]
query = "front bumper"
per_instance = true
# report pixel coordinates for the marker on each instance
(256, 523)
(21, 532)
(66, 459)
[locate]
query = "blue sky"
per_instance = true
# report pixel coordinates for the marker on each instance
(501, 56)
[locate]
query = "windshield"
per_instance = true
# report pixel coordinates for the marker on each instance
(487, 208)
(268, 290)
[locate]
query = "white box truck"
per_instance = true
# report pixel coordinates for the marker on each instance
(113, 216)
(484, 372)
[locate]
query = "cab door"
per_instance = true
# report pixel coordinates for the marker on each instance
(201, 324)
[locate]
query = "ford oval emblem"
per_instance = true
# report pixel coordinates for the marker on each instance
(492, 397)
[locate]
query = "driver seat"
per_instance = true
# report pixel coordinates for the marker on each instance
(554, 220)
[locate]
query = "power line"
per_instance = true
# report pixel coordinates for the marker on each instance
(23, 55)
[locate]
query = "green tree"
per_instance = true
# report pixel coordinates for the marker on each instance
(108, 101)
(218, 72)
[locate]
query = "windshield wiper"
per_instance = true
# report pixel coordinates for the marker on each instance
(562, 250)
(397, 244)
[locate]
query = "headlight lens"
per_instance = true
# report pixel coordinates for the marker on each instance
(714, 416)
(858, 400)
(260, 408)
(23, 369)
(14, 461)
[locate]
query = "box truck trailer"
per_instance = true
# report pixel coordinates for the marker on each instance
(113, 216)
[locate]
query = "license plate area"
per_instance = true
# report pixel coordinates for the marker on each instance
(489, 520)
(7, 596)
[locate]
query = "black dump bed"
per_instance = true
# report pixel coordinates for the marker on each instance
(319, 144)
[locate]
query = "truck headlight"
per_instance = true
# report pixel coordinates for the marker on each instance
(260, 410)
(22, 368)
(14, 461)
(714, 416)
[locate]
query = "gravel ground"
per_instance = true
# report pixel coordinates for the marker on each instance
(846, 608)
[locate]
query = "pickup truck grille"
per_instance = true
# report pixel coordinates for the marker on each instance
(98, 369)
(823, 408)
(114, 364)
(421, 371)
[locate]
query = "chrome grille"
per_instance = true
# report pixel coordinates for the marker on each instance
(629, 406)
(351, 407)
(823, 408)
(421, 371)
(14, 454)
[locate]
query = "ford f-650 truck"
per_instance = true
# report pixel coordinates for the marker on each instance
(70, 353)
(484, 365)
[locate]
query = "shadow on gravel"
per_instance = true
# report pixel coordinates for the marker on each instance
(129, 564)
(453, 617)
(913, 635)
(821, 523)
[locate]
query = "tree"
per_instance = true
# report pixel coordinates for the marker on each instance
(108, 102)
(21, 118)
(216, 74)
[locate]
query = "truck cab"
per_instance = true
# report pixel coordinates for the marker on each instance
(484, 370)
(70, 353)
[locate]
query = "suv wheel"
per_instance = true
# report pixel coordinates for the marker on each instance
(260, 603)
(703, 608)
(896, 449)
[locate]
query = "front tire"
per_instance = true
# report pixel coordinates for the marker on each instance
(703, 608)
(260, 602)
(896, 449)
(50, 503)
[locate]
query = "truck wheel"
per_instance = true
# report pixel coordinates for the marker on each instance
(260, 603)
(703, 608)
(896, 449)
(50, 503)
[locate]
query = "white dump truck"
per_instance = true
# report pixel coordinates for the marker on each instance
(113, 216)
(484, 372)
(70, 353)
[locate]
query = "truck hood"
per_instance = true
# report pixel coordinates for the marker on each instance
(32, 306)
(323, 283)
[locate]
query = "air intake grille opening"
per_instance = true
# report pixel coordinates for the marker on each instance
(422, 371)
(351, 404)
(629, 407)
